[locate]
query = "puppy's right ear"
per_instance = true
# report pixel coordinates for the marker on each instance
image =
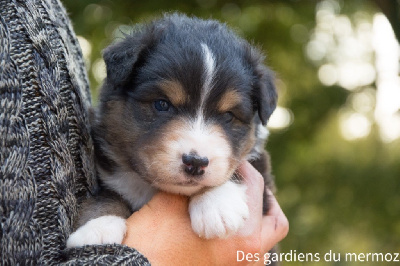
(265, 96)
(121, 58)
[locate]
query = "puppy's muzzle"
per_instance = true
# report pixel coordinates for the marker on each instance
(194, 164)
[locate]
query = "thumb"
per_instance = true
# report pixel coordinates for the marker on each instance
(151, 217)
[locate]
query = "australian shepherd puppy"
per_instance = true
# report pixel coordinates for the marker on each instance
(184, 102)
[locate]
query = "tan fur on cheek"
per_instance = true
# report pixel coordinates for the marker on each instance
(249, 143)
(222, 161)
(160, 156)
(246, 147)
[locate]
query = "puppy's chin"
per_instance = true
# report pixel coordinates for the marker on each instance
(180, 188)
(188, 186)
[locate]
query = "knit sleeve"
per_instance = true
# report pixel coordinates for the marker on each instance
(104, 255)
(46, 152)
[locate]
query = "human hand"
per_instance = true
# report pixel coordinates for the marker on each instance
(161, 230)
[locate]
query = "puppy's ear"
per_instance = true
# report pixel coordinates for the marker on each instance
(121, 58)
(265, 96)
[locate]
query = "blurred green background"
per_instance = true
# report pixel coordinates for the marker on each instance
(335, 137)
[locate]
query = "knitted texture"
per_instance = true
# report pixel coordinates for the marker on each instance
(46, 155)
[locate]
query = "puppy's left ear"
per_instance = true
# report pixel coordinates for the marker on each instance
(265, 95)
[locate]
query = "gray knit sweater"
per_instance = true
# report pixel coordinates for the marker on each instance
(46, 155)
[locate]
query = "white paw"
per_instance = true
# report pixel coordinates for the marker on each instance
(219, 212)
(103, 230)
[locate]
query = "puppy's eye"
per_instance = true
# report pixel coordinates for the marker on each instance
(228, 117)
(162, 105)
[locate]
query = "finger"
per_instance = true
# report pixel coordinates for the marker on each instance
(275, 225)
(252, 178)
(160, 206)
(274, 208)
(151, 218)
(255, 186)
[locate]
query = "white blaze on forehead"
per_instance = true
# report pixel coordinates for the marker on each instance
(209, 68)
(200, 136)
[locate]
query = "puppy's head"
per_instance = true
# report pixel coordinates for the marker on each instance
(181, 102)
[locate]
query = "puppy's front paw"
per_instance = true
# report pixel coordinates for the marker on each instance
(103, 230)
(220, 211)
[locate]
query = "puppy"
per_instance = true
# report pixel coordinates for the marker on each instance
(184, 102)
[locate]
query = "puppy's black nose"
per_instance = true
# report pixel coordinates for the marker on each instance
(194, 164)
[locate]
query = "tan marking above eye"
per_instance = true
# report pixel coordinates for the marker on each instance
(229, 100)
(174, 91)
